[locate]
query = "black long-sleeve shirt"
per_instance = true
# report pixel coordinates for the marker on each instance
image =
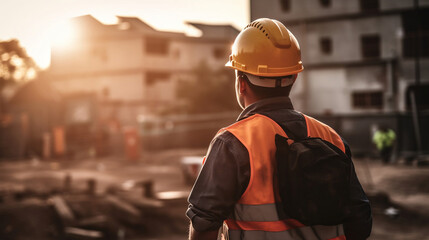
(226, 173)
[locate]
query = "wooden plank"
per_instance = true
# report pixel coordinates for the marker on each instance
(82, 234)
(62, 209)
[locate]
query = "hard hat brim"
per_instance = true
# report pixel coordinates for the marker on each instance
(271, 72)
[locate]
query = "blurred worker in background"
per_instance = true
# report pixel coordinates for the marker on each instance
(384, 139)
(236, 191)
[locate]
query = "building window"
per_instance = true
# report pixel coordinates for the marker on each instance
(153, 77)
(219, 53)
(325, 3)
(416, 33)
(105, 92)
(421, 96)
(176, 53)
(100, 53)
(157, 46)
(285, 5)
(415, 43)
(369, 5)
(370, 46)
(368, 100)
(325, 45)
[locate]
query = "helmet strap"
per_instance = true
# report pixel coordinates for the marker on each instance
(278, 82)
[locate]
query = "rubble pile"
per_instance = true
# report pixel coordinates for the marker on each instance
(60, 211)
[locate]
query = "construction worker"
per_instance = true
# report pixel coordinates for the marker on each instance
(235, 194)
(384, 138)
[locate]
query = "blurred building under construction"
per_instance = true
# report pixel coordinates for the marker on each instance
(358, 54)
(366, 64)
(132, 63)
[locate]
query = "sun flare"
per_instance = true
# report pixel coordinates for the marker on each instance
(62, 34)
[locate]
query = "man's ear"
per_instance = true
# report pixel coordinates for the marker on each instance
(242, 84)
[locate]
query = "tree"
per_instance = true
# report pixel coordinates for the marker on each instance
(15, 66)
(208, 91)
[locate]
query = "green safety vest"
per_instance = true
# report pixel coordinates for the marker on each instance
(384, 139)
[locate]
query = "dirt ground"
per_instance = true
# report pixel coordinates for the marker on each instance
(403, 187)
(397, 186)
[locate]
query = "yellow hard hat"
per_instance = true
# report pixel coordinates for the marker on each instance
(266, 47)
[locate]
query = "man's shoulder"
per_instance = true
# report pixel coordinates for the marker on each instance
(226, 141)
(318, 123)
(315, 120)
(255, 124)
(225, 136)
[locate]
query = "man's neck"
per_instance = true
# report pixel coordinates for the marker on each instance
(250, 100)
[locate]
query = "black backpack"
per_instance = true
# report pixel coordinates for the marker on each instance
(314, 180)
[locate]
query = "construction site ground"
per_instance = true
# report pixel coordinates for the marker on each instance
(114, 198)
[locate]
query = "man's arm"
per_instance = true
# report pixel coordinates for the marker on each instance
(222, 180)
(359, 225)
(207, 235)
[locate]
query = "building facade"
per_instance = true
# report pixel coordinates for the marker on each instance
(359, 55)
(132, 64)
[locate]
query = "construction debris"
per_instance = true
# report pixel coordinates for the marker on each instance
(62, 209)
(147, 188)
(391, 212)
(82, 234)
(91, 186)
(123, 210)
(82, 213)
(30, 220)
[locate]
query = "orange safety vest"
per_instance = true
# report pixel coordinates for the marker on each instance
(255, 216)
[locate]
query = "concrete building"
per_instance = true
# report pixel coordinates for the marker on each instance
(133, 64)
(359, 55)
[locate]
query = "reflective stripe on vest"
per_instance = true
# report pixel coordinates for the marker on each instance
(306, 233)
(255, 216)
(260, 213)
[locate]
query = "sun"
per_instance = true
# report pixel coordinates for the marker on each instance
(62, 34)
(58, 34)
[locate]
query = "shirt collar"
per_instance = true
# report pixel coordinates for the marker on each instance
(266, 105)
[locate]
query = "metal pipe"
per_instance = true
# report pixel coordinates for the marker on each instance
(418, 43)
(416, 122)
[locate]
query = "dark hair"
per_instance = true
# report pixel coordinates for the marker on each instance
(267, 92)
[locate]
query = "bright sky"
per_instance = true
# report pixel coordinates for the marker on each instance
(32, 22)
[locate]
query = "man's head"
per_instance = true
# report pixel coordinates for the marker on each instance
(267, 59)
